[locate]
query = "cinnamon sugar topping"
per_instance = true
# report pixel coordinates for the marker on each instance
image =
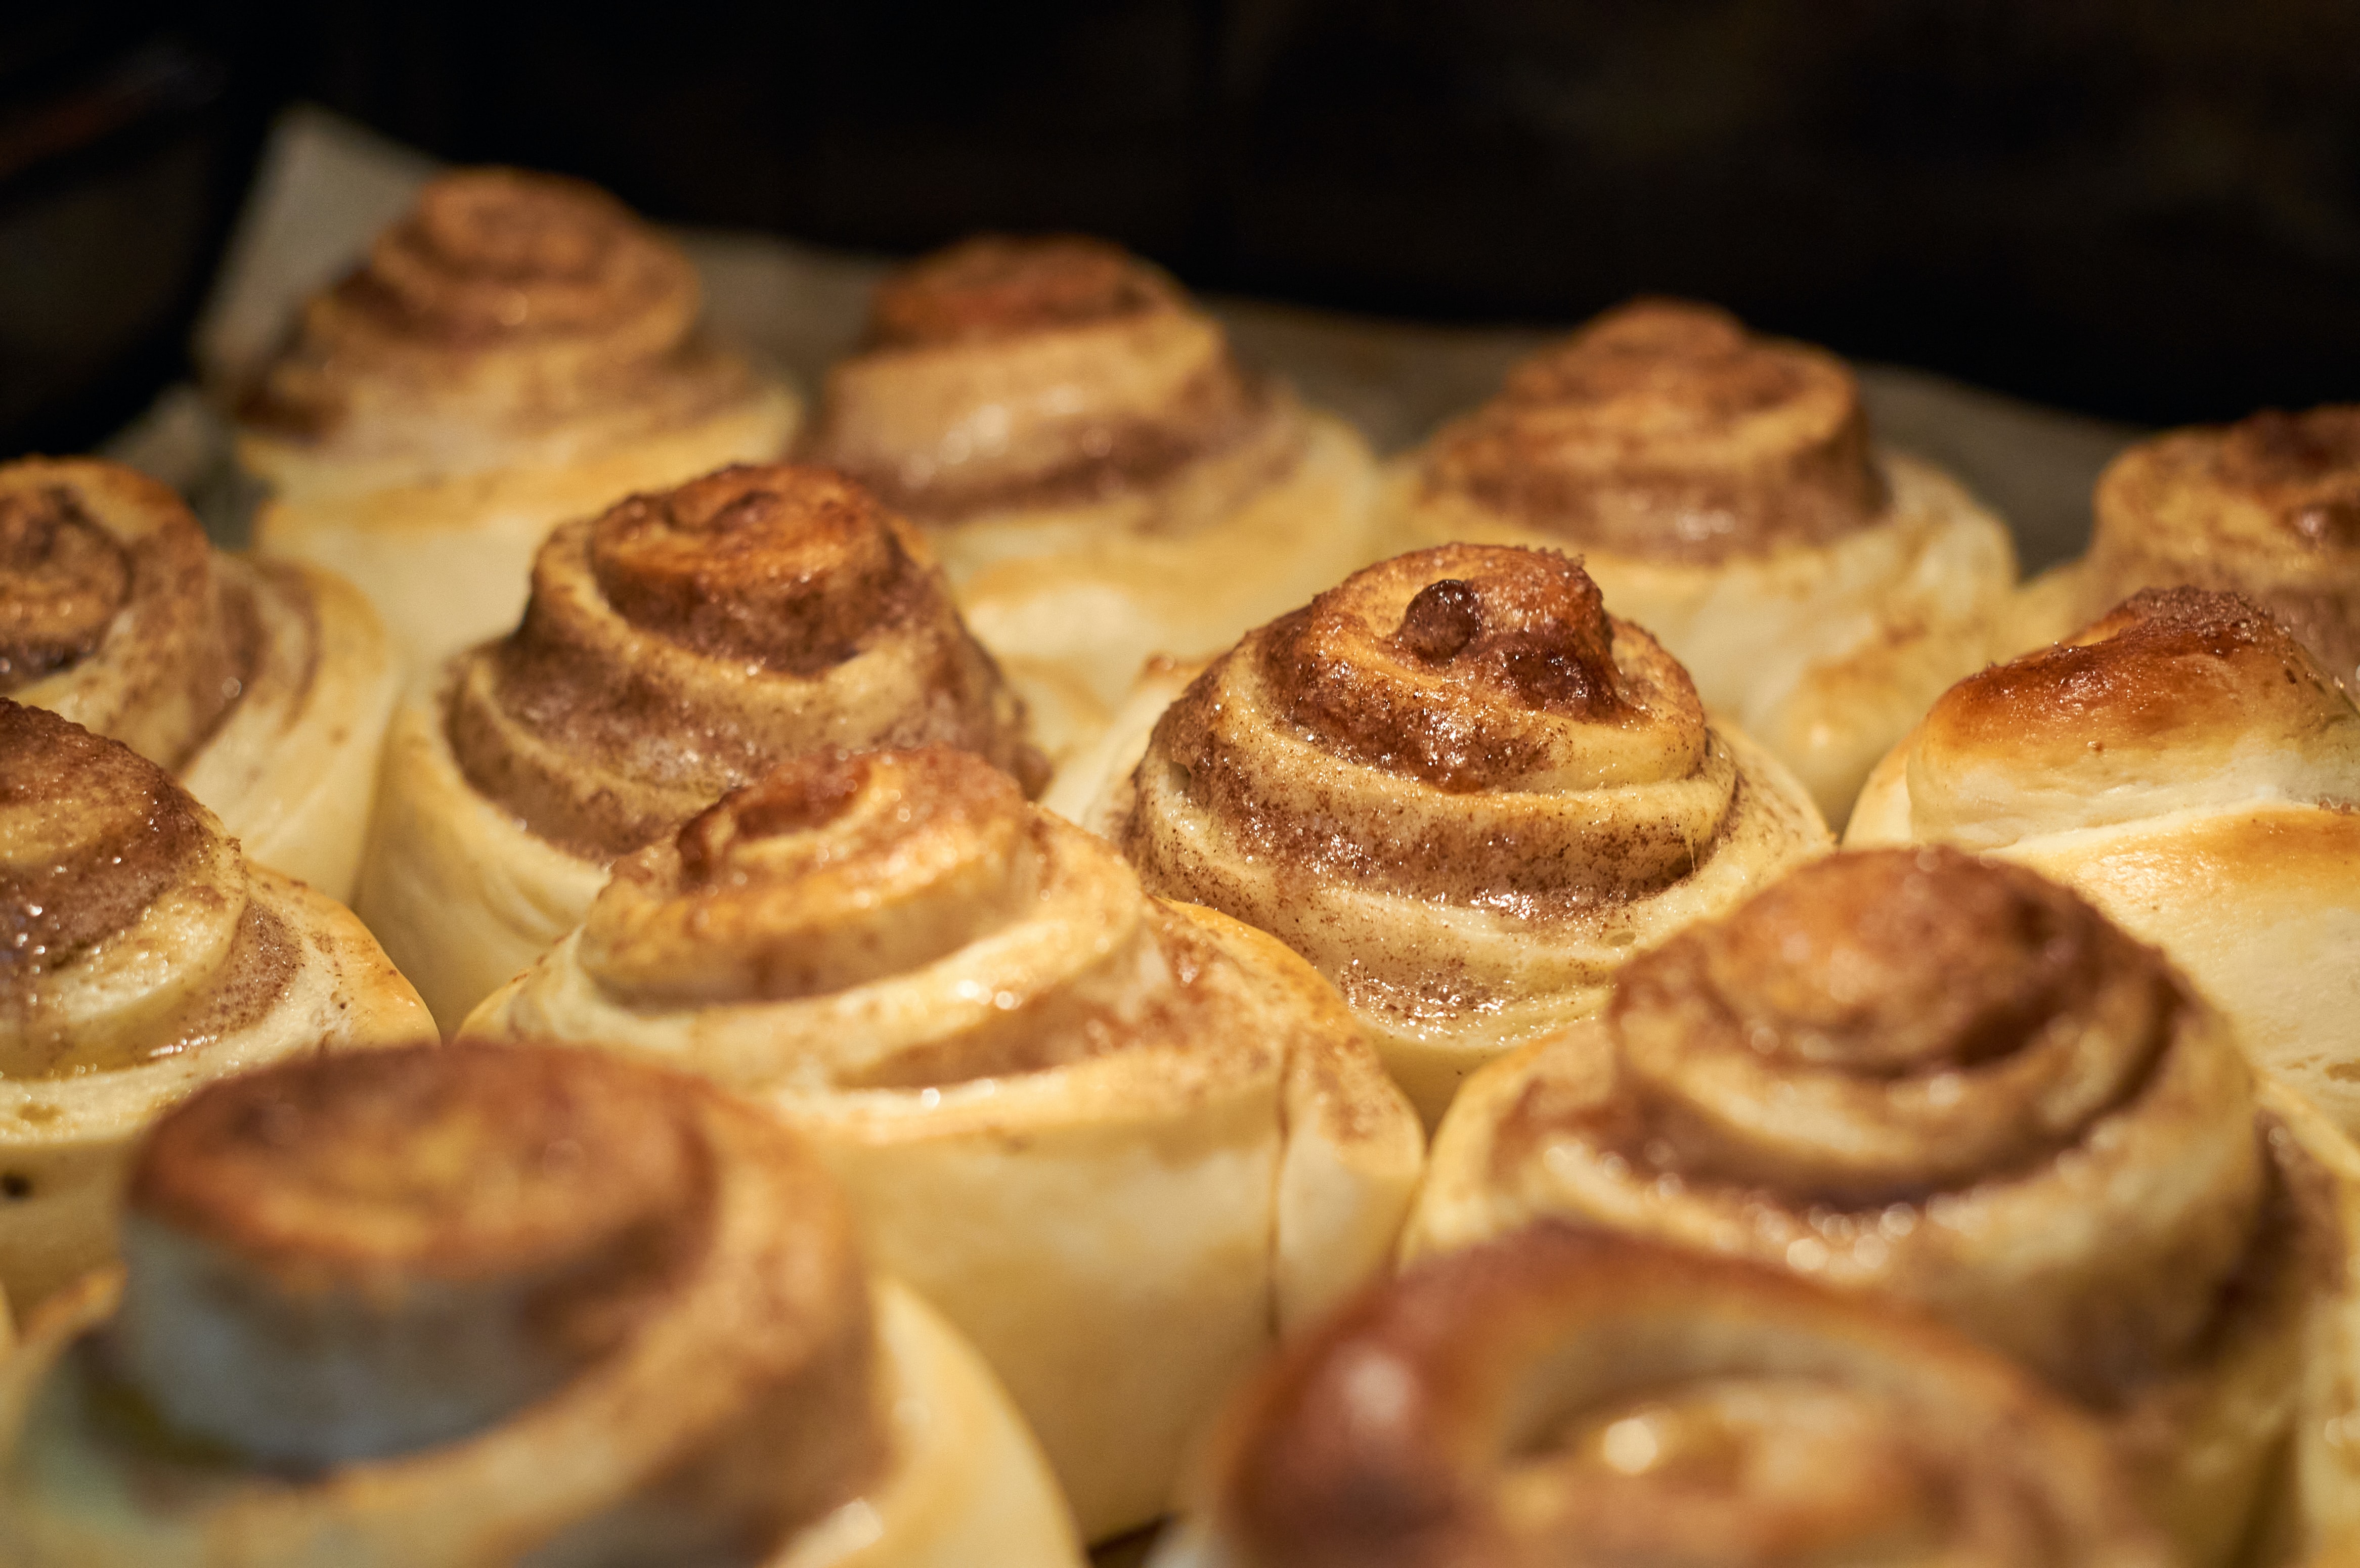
(90, 835)
(790, 568)
(495, 252)
(1665, 429)
(62, 580)
(995, 286)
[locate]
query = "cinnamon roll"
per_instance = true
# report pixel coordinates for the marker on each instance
(1118, 1140)
(675, 647)
(518, 350)
(1103, 480)
(2192, 769)
(1723, 491)
(1466, 794)
(262, 687)
(1910, 1072)
(2268, 507)
(1565, 1398)
(141, 956)
(458, 1305)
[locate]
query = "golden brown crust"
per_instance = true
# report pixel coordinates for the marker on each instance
(1631, 1404)
(1006, 373)
(2268, 507)
(681, 643)
(2178, 697)
(1664, 430)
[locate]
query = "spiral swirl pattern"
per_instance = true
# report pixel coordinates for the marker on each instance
(981, 1022)
(2189, 765)
(455, 1304)
(1664, 430)
(264, 688)
(1465, 793)
(1009, 372)
(1949, 1080)
(2268, 507)
(1103, 480)
(524, 301)
(679, 643)
(139, 957)
(516, 351)
(675, 647)
(1632, 1405)
(1725, 495)
(110, 610)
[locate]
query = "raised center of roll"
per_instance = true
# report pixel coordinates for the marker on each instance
(62, 579)
(359, 1255)
(1889, 963)
(1661, 371)
(1474, 667)
(496, 252)
(996, 287)
(789, 568)
(1884, 1023)
(831, 872)
(2305, 468)
(1665, 428)
(1533, 626)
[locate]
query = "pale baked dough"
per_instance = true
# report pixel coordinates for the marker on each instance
(183, 964)
(517, 351)
(1464, 793)
(264, 686)
(1102, 480)
(1906, 1072)
(675, 647)
(726, 1388)
(1121, 1142)
(2191, 768)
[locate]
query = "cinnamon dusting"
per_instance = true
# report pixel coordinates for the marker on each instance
(1663, 430)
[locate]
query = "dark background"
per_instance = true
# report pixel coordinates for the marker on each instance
(2143, 208)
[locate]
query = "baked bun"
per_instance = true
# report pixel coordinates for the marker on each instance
(1723, 491)
(2192, 771)
(460, 1305)
(1118, 1141)
(1466, 794)
(2268, 507)
(676, 647)
(518, 350)
(264, 687)
(1101, 478)
(1560, 1397)
(144, 958)
(1909, 1072)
